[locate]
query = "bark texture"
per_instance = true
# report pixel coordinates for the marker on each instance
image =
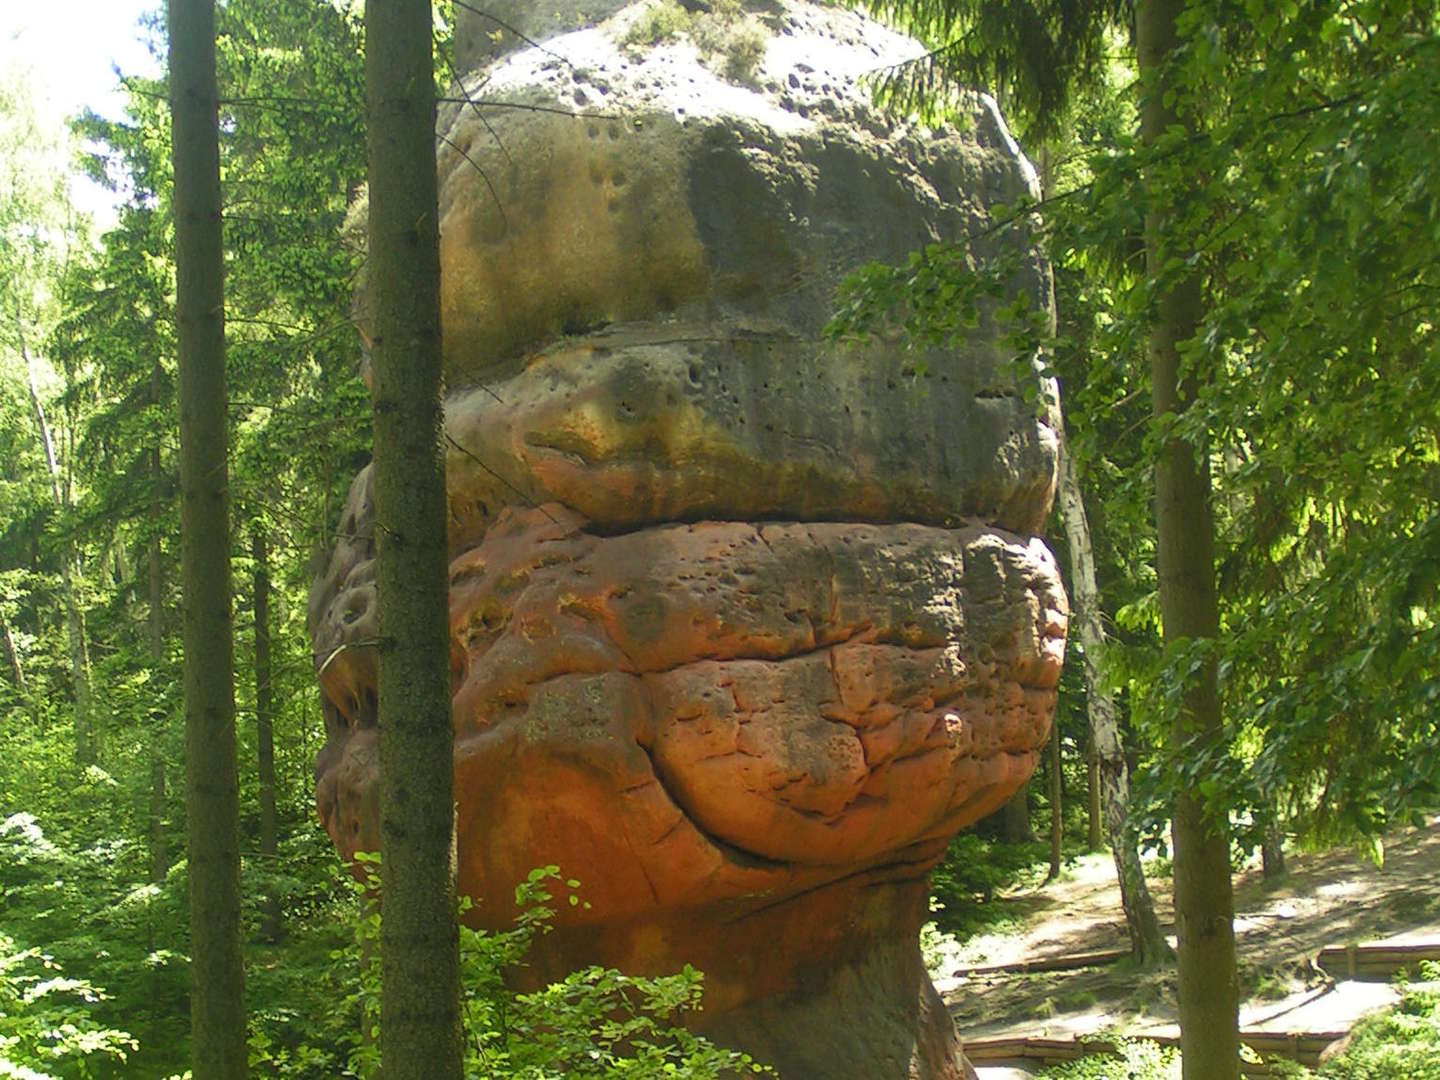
(1094, 830)
(1110, 775)
(212, 799)
(1185, 565)
(1272, 851)
(1015, 827)
(1057, 819)
(420, 1006)
(12, 657)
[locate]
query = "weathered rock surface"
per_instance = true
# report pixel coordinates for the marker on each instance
(677, 422)
(818, 695)
(745, 623)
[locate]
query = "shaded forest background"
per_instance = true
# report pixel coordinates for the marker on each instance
(1309, 207)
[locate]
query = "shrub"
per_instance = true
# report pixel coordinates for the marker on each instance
(972, 871)
(595, 1023)
(661, 21)
(45, 1020)
(1402, 1043)
(1137, 1060)
(725, 33)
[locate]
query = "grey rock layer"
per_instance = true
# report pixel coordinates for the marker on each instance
(640, 258)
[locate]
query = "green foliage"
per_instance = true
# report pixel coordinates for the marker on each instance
(46, 1027)
(724, 31)
(1035, 57)
(972, 872)
(1313, 212)
(595, 1022)
(1401, 1043)
(1398, 1043)
(90, 913)
(1136, 1059)
(660, 21)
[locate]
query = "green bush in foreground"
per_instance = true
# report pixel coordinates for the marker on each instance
(45, 1021)
(1138, 1060)
(1400, 1042)
(595, 1023)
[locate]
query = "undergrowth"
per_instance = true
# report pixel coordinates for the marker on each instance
(1399, 1043)
(972, 872)
(1138, 1059)
(594, 1023)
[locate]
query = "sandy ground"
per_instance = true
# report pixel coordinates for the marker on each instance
(1328, 898)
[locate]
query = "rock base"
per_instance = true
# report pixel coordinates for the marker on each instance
(866, 1011)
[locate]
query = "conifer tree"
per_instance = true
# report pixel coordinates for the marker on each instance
(212, 793)
(420, 1033)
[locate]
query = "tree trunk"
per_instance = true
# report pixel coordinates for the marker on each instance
(12, 656)
(155, 625)
(75, 635)
(1094, 835)
(1015, 827)
(271, 928)
(420, 1034)
(17, 674)
(1272, 848)
(159, 849)
(212, 789)
(1185, 569)
(1057, 821)
(1110, 776)
(159, 715)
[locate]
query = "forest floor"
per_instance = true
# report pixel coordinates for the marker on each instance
(1327, 898)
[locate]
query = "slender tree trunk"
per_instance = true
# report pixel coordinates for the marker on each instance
(1110, 775)
(1057, 819)
(271, 927)
(79, 663)
(1272, 846)
(159, 714)
(420, 1035)
(212, 789)
(1185, 569)
(155, 625)
(17, 674)
(1272, 854)
(12, 656)
(1094, 835)
(75, 635)
(159, 849)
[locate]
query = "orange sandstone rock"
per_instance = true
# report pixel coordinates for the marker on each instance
(750, 742)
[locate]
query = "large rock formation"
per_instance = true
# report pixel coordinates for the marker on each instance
(746, 624)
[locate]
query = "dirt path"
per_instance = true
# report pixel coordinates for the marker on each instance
(1328, 898)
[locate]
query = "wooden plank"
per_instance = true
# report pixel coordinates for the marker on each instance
(1303, 1047)
(1374, 962)
(1070, 962)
